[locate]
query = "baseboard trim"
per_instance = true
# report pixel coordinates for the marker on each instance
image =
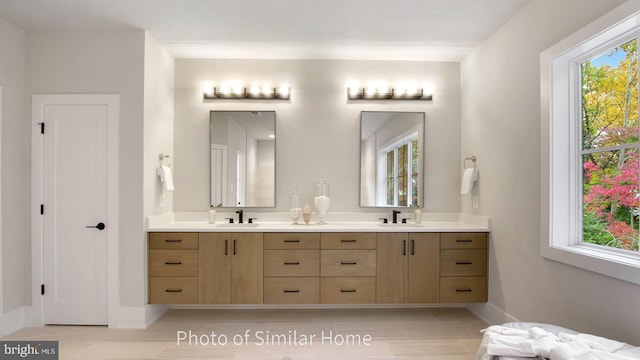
(491, 314)
(309, 306)
(153, 313)
(130, 317)
(12, 321)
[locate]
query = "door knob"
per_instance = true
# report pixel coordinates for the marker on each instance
(100, 226)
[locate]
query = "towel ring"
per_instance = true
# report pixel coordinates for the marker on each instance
(473, 160)
(162, 157)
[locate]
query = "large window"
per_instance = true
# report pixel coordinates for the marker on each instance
(590, 169)
(609, 151)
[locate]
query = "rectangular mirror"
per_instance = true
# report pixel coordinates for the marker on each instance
(391, 152)
(243, 158)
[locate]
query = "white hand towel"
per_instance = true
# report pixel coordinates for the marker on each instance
(166, 178)
(468, 178)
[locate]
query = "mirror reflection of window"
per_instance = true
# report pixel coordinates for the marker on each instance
(391, 159)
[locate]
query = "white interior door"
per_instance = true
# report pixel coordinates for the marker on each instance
(75, 204)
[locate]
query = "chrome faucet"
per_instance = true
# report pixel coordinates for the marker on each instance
(395, 216)
(239, 212)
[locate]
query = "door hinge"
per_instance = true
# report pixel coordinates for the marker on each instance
(41, 127)
(42, 289)
(41, 209)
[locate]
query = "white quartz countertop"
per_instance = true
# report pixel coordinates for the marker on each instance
(450, 223)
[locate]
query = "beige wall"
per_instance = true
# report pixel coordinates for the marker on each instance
(103, 62)
(318, 131)
(158, 123)
(15, 189)
(501, 125)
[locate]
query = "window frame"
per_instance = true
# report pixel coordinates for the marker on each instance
(561, 145)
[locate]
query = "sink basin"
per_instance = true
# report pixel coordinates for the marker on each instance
(236, 225)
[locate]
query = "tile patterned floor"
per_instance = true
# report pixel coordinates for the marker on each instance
(332, 334)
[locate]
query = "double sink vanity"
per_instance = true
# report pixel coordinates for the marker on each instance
(359, 262)
(353, 259)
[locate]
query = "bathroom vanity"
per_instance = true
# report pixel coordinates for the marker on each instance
(354, 263)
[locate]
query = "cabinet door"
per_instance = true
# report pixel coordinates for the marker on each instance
(214, 268)
(391, 277)
(246, 268)
(424, 267)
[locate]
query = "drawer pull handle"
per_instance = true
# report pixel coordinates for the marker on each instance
(413, 247)
(291, 291)
(173, 290)
(347, 290)
(292, 262)
(464, 263)
(404, 247)
(464, 290)
(292, 241)
(463, 241)
(348, 241)
(348, 263)
(173, 262)
(173, 241)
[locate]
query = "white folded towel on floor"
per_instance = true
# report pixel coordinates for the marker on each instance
(166, 178)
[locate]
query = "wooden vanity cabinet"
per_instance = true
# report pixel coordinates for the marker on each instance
(463, 267)
(173, 268)
(347, 268)
(231, 268)
(408, 268)
(291, 268)
(317, 268)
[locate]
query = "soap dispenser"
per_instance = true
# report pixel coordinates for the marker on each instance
(212, 215)
(418, 215)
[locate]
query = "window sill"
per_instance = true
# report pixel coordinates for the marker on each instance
(620, 266)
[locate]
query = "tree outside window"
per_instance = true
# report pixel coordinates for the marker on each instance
(610, 148)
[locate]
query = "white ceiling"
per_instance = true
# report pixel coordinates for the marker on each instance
(319, 29)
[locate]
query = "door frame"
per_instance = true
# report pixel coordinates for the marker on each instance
(39, 101)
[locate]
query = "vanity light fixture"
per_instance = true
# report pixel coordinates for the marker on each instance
(387, 93)
(236, 91)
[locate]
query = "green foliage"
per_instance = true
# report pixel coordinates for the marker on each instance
(595, 231)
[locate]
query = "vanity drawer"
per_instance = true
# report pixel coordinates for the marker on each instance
(463, 240)
(173, 240)
(173, 262)
(463, 289)
(295, 241)
(292, 290)
(347, 290)
(173, 290)
(291, 262)
(348, 241)
(471, 262)
(348, 263)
